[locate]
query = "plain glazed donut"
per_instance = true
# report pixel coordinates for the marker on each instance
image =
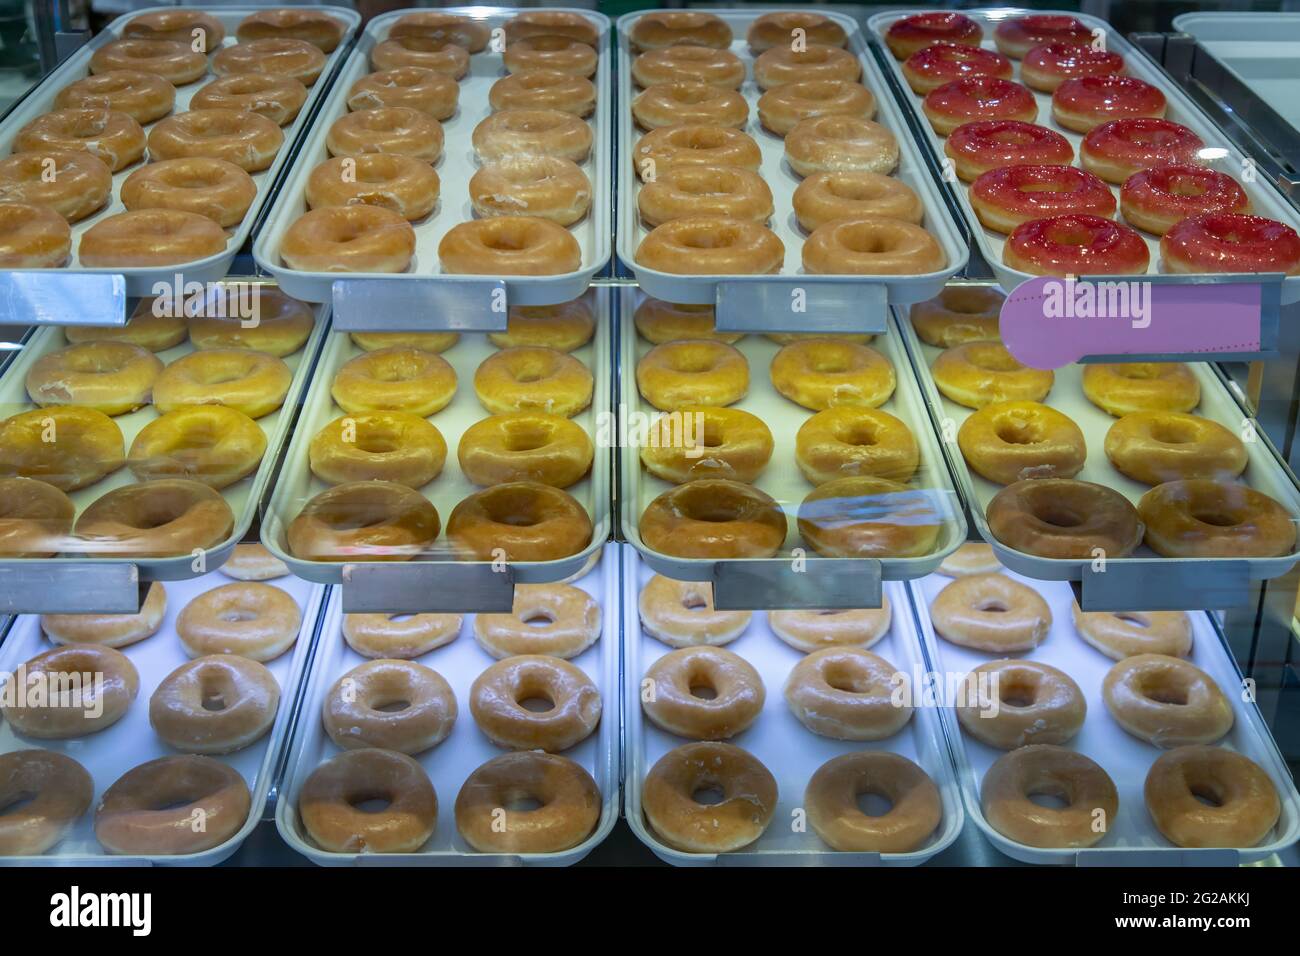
(1090, 799)
(90, 687)
(1007, 442)
(525, 446)
(44, 793)
(243, 379)
(782, 108)
(358, 710)
(73, 184)
(1121, 634)
(675, 815)
(397, 130)
(248, 140)
(825, 373)
(282, 327)
(380, 446)
(529, 24)
(1153, 447)
(175, 61)
(781, 29)
(214, 705)
(447, 27)
(991, 613)
(109, 630)
(519, 521)
(836, 143)
(531, 379)
(550, 52)
(421, 52)
(209, 443)
(812, 61)
(498, 695)
(868, 245)
(410, 87)
(687, 145)
(150, 809)
(553, 620)
(509, 134)
(1166, 701)
(144, 97)
(315, 27)
(658, 322)
(110, 136)
(686, 102)
(424, 341)
(399, 637)
(154, 519)
(35, 518)
(1128, 387)
(714, 518)
(1008, 704)
(849, 441)
(277, 98)
(157, 333)
(681, 614)
(88, 446)
(698, 64)
(252, 562)
(916, 32)
(562, 804)
(147, 238)
(209, 187)
(973, 557)
(566, 327)
(396, 379)
(702, 441)
(722, 191)
(546, 187)
(684, 373)
(249, 619)
(853, 194)
(712, 245)
(364, 521)
(329, 798)
(957, 315)
(664, 28)
(361, 238)
(980, 373)
(202, 31)
(1205, 518)
(866, 517)
(32, 237)
(544, 90)
(833, 794)
(1064, 518)
(810, 631)
(674, 693)
(847, 693)
(1202, 796)
(278, 56)
(511, 246)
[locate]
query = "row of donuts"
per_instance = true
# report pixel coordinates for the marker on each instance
(197, 183)
(365, 203)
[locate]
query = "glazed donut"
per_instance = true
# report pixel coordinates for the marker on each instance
(1228, 242)
(248, 140)
(1204, 518)
(509, 134)
(511, 246)
(544, 90)
(854, 194)
(824, 373)
(364, 521)
(408, 87)
(358, 710)
(748, 804)
(520, 521)
(386, 637)
(973, 557)
(782, 108)
(93, 687)
(545, 187)
(35, 518)
(530, 24)
(250, 382)
(977, 98)
(1124, 388)
(781, 29)
(1043, 770)
(397, 130)
(1064, 518)
(664, 28)
(813, 61)
(1075, 244)
(1156, 200)
(552, 620)
(1117, 149)
(1008, 704)
(397, 379)
(703, 441)
(73, 184)
(146, 238)
(977, 147)
(32, 237)
(991, 613)
(833, 794)
(109, 377)
(550, 52)
(566, 327)
(957, 315)
(1211, 797)
(1085, 102)
(425, 52)
(150, 810)
(711, 245)
(157, 333)
(930, 68)
(977, 373)
(315, 27)
(445, 27)
(681, 614)
(175, 61)
(864, 517)
(249, 619)
(109, 630)
(1013, 195)
(851, 441)
(687, 145)
(277, 98)
(378, 446)
(698, 64)
(713, 518)
(909, 34)
(810, 631)
(208, 443)
(497, 697)
(214, 188)
(424, 341)
(835, 143)
(283, 325)
(1048, 66)
(88, 446)
(686, 102)
(562, 804)
(404, 184)
(202, 31)
(44, 793)
(1008, 441)
(110, 136)
(278, 56)
(693, 191)
(674, 701)
(847, 693)
(530, 379)
(525, 446)
(252, 562)
(868, 245)
(1166, 701)
(659, 322)
(362, 238)
(329, 803)
(674, 375)
(1153, 447)
(144, 97)
(1017, 36)
(1121, 634)
(214, 705)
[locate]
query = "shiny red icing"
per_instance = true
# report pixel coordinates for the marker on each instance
(1070, 60)
(1009, 143)
(1109, 97)
(1143, 142)
(1231, 242)
(950, 61)
(1044, 191)
(1080, 245)
(1183, 189)
(937, 28)
(982, 97)
(1039, 28)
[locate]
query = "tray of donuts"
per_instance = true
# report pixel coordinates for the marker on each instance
(152, 738)
(779, 737)
(1097, 737)
(153, 442)
(442, 447)
(507, 751)
(1072, 153)
(1129, 463)
(776, 446)
(469, 141)
(152, 149)
(778, 124)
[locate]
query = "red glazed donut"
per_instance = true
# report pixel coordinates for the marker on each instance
(921, 30)
(1076, 245)
(1018, 36)
(1118, 149)
(1088, 101)
(1048, 66)
(978, 98)
(1157, 199)
(1229, 242)
(931, 68)
(975, 148)
(1004, 198)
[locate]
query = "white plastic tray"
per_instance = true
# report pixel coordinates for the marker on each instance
(782, 180)
(1264, 197)
(788, 749)
(451, 762)
(455, 168)
(131, 741)
(140, 281)
(1133, 839)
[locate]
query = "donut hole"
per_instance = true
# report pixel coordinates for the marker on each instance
(96, 361)
(526, 436)
(872, 803)
(532, 368)
(1160, 689)
(548, 43)
(540, 618)
(708, 795)
(16, 802)
(1057, 515)
(1017, 691)
(691, 94)
(1204, 792)
(390, 705)
(696, 138)
(1018, 431)
(1049, 797)
(991, 606)
(192, 176)
(237, 616)
(379, 441)
(847, 679)
(1176, 432)
(369, 801)
(1183, 184)
(867, 238)
(214, 694)
(537, 704)
(1134, 619)
(1143, 371)
(691, 362)
(520, 802)
(714, 235)
(694, 601)
(1218, 519)
(993, 358)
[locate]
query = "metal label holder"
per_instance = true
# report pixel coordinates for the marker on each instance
(38, 587)
(452, 303)
(1156, 857)
(794, 304)
(806, 584)
(1165, 585)
(427, 587)
(44, 297)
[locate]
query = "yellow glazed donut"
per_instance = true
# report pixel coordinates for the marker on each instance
(687, 102)
(692, 145)
(358, 711)
(672, 700)
(398, 379)
(714, 518)
(511, 134)
(847, 693)
(250, 382)
(1141, 387)
(566, 327)
(973, 557)
(525, 446)
(283, 325)
(109, 377)
(520, 520)
(410, 86)
(150, 810)
(681, 614)
(32, 237)
(157, 333)
(1008, 442)
(329, 800)
(110, 136)
(1121, 634)
(869, 518)
(1008, 704)
(364, 521)
(398, 130)
(560, 804)
(87, 446)
(214, 705)
(202, 185)
(252, 562)
(700, 441)
(1202, 796)
(1064, 518)
(71, 183)
(278, 98)
(546, 187)
(208, 443)
(976, 374)
(150, 238)
(525, 379)
(153, 519)
(1086, 791)
(1154, 447)
(991, 613)
(748, 804)
(72, 710)
(316, 27)
(659, 322)
(821, 373)
(247, 140)
(109, 630)
(833, 794)
(175, 61)
(1166, 701)
(1202, 518)
(712, 245)
(831, 144)
(424, 341)
(279, 56)
(817, 630)
(496, 699)
(849, 441)
(689, 191)
(692, 372)
(359, 238)
(379, 446)
(45, 793)
(553, 620)
(144, 97)
(957, 315)
(35, 518)
(782, 108)
(399, 637)
(871, 245)
(250, 619)
(853, 194)
(509, 245)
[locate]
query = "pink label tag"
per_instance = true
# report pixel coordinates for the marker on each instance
(1048, 322)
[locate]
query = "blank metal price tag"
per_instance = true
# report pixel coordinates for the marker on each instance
(796, 304)
(62, 298)
(446, 303)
